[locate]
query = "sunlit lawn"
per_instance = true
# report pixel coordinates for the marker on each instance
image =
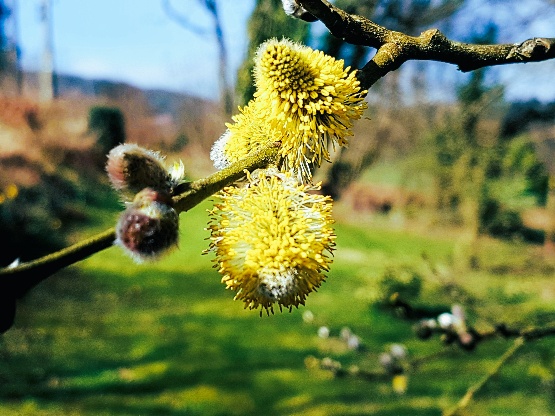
(108, 337)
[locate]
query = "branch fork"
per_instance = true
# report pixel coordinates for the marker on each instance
(395, 48)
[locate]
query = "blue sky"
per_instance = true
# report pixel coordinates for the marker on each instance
(136, 42)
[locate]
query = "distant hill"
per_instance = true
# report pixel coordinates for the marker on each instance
(151, 114)
(159, 101)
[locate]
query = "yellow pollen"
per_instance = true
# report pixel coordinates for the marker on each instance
(272, 239)
(309, 98)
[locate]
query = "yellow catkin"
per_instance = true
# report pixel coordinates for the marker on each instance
(307, 96)
(273, 240)
(304, 99)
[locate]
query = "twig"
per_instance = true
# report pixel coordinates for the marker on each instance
(472, 390)
(395, 48)
(18, 280)
(424, 331)
(183, 20)
(203, 188)
(417, 362)
(529, 334)
(336, 368)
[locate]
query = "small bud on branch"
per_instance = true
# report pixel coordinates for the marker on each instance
(16, 281)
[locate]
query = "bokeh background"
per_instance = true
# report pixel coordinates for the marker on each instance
(443, 200)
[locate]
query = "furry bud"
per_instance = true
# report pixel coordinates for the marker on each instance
(149, 226)
(423, 330)
(132, 168)
(294, 9)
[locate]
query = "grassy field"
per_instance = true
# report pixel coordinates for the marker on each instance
(108, 337)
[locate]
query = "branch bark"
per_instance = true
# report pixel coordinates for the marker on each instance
(449, 335)
(16, 281)
(472, 390)
(395, 48)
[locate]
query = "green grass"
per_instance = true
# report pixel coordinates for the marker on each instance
(109, 337)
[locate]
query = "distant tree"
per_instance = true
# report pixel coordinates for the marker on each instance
(470, 165)
(184, 20)
(10, 52)
(48, 84)
(536, 150)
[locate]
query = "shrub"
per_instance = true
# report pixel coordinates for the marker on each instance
(401, 281)
(109, 126)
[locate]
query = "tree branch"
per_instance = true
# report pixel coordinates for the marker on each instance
(182, 20)
(472, 390)
(528, 334)
(449, 335)
(16, 281)
(395, 48)
(336, 368)
(381, 375)
(203, 188)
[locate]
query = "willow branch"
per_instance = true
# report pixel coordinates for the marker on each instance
(472, 390)
(337, 369)
(530, 333)
(199, 190)
(395, 48)
(18, 280)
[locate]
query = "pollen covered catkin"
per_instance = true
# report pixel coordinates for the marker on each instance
(273, 240)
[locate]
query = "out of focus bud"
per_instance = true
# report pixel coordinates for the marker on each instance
(345, 333)
(459, 323)
(308, 317)
(468, 340)
(425, 328)
(386, 361)
(423, 331)
(394, 361)
(294, 9)
(398, 351)
(445, 320)
(329, 364)
(323, 332)
(149, 226)
(353, 342)
(311, 362)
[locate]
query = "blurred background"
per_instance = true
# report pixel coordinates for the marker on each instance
(444, 199)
